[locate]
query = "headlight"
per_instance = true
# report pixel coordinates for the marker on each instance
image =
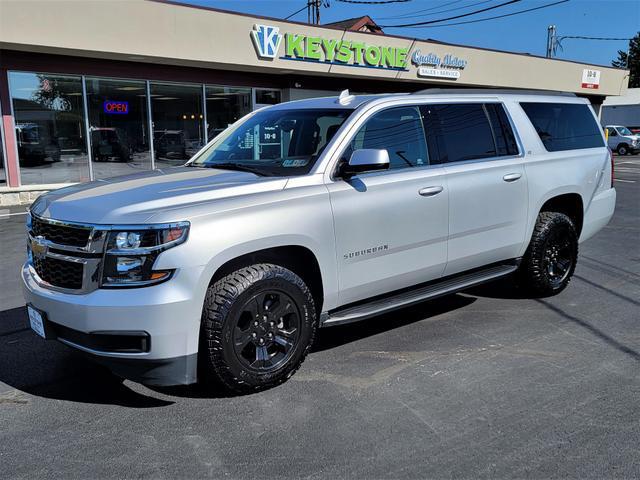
(131, 254)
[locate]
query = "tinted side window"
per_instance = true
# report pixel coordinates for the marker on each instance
(564, 126)
(458, 132)
(397, 130)
(502, 131)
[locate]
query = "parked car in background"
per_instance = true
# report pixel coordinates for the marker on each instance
(107, 143)
(310, 214)
(35, 144)
(170, 144)
(622, 140)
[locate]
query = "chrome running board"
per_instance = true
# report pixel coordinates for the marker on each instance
(380, 305)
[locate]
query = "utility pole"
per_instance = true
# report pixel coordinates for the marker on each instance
(551, 41)
(313, 11)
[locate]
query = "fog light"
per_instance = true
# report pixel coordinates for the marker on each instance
(128, 264)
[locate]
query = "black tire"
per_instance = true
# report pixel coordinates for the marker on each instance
(260, 303)
(622, 149)
(551, 257)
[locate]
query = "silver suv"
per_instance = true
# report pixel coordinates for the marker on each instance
(310, 214)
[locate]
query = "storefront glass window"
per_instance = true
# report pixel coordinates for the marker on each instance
(224, 106)
(266, 96)
(119, 126)
(178, 122)
(50, 128)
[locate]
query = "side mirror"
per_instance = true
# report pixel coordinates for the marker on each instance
(366, 160)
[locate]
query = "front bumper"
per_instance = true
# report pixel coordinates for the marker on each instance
(167, 315)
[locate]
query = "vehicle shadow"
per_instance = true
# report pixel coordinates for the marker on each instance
(332, 337)
(49, 369)
(338, 335)
(507, 289)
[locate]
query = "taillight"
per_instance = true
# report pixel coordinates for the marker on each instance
(613, 169)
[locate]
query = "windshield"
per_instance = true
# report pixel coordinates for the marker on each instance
(275, 142)
(624, 131)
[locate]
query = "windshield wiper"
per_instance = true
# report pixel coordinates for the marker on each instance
(236, 166)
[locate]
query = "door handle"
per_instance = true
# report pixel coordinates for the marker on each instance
(511, 177)
(430, 191)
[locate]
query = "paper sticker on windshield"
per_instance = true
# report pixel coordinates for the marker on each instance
(295, 163)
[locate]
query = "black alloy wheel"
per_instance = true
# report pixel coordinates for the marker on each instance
(558, 257)
(267, 329)
(551, 257)
(258, 325)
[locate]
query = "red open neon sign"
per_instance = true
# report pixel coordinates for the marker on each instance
(114, 107)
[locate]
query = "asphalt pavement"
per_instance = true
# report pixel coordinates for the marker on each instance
(482, 384)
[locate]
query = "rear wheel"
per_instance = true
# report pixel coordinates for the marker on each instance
(622, 149)
(258, 324)
(551, 257)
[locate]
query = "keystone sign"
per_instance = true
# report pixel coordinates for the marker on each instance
(267, 40)
(431, 65)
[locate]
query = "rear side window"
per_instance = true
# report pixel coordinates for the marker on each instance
(564, 126)
(398, 131)
(458, 132)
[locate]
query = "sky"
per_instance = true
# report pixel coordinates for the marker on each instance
(519, 33)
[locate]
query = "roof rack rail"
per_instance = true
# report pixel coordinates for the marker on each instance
(492, 91)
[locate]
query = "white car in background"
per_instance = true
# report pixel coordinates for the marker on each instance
(622, 140)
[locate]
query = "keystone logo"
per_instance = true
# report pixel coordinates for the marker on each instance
(266, 40)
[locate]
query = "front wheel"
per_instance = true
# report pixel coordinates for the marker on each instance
(258, 324)
(622, 150)
(551, 257)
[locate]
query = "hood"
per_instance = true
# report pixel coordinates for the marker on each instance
(136, 198)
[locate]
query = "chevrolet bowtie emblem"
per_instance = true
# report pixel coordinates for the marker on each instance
(39, 247)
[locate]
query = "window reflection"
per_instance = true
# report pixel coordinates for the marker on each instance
(119, 126)
(225, 105)
(49, 128)
(398, 131)
(266, 96)
(178, 122)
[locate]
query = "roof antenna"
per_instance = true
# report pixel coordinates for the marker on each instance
(345, 97)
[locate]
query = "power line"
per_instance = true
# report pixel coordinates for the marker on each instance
(296, 12)
(452, 18)
(373, 2)
(554, 41)
(430, 9)
(410, 14)
(590, 38)
(494, 17)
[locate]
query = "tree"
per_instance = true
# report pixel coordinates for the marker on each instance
(630, 61)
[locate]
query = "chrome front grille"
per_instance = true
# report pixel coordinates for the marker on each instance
(60, 233)
(65, 256)
(59, 273)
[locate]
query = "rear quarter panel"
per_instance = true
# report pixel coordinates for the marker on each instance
(550, 174)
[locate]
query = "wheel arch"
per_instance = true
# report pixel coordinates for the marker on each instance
(571, 204)
(295, 257)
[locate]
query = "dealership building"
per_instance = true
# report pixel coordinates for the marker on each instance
(89, 90)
